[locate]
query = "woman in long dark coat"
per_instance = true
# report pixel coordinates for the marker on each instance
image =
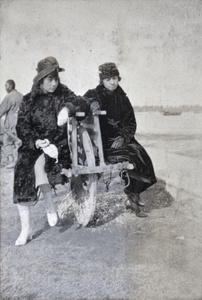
(44, 151)
(118, 128)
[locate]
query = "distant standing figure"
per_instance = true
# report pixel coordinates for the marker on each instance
(9, 107)
(118, 129)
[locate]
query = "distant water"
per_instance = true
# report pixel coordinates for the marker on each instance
(156, 123)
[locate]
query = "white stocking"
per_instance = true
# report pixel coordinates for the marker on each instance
(50, 207)
(24, 213)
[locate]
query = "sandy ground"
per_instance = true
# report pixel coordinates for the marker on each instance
(118, 256)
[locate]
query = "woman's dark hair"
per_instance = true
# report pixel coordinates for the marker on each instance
(108, 70)
(11, 83)
(101, 79)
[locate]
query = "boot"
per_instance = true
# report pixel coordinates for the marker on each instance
(140, 203)
(133, 203)
(50, 207)
(24, 213)
(136, 199)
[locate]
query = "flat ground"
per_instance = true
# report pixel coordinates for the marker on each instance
(118, 256)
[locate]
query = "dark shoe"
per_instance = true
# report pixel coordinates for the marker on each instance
(135, 207)
(140, 203)
(135, 198)
(127, 204)
(141, 214)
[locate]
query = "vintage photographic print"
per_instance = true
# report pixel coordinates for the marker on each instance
(101, 149)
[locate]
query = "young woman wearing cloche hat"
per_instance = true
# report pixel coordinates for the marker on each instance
(118, 129)
(44, 151)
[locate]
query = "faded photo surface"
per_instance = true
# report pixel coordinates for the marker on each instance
(140, 63)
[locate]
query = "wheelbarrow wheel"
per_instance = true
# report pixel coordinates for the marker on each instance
(84, 187)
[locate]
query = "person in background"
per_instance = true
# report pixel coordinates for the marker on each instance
(44, 151)
(9, 108)
(118, 129)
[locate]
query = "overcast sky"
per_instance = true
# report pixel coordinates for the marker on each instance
(157, 45)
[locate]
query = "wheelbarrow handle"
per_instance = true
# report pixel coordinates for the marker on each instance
(96, 113)
(99, 113)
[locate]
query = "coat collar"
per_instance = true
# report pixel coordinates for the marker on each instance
(102, 90)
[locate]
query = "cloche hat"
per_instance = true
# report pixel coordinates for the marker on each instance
(46, 66)
(108, 70)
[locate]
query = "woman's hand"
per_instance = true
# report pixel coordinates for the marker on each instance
(94, 106)
(118, 143)
(52, 151)
(42, 143)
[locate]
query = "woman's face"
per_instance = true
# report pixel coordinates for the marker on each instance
(50, 83)
(111, 83)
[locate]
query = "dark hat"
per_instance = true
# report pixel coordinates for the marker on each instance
(46, 66)
(108, 70)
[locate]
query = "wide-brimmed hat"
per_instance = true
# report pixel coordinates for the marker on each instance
(46, 66)
(108, 70)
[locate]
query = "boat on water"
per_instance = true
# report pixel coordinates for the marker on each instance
(171, 113)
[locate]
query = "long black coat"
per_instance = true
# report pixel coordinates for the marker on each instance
(37, 119)
(120, 122)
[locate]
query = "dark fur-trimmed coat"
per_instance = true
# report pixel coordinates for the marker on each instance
(37, 119)
(120, 122)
